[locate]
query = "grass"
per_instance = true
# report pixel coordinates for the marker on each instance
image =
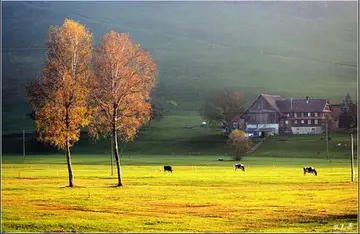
(308, 146)
(201, 195)
(181, 134)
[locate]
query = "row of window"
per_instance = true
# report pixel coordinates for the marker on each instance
(309, 121)
(303, 114)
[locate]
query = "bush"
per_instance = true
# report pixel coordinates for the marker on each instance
(238, 144)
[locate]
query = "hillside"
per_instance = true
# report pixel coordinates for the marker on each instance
(295, 49)
(179, 135)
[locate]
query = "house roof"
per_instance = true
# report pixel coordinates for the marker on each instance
(282, 105)
(272, 100)
(301, 105)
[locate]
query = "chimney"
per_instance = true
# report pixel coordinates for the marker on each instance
(307, 99)
(290, 103)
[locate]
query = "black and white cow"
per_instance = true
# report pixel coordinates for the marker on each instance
(168, 168)
(310, 170)
(239, 166)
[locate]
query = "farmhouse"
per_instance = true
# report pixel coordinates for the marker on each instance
(272, 114)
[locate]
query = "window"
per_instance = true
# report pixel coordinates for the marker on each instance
(286, 121)
(302, 114)
(302, 121)
(288, 114)
(295, 114)
(309, 114)
(235, 125)
(309, 121)
(295, 122)
(315, 114)
(316, 121)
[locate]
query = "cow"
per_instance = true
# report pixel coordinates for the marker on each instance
(309, 170)
(168, 168)
(239, 166)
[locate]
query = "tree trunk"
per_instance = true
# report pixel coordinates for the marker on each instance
(116, 149)
(68, 159)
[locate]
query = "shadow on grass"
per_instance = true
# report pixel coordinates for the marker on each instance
(352, 217)
(74, 187)
(331, 218)
(114, 186)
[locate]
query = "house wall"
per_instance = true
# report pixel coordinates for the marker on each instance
(306, 130)
(294, 122)
(274, 127)
(261, 112)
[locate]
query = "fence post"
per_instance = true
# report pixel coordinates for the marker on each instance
(352, 158)
(24, 143)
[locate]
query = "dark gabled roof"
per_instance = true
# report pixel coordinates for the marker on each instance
(300, 105)
(272, 99)
(282, 105)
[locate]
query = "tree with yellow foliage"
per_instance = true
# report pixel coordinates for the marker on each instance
(239, 144)
(59, 96)
(125, 75)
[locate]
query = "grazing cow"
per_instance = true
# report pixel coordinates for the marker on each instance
(338, 145)
(240, 166)
(310, 170)
(168, 168)
(221, 159)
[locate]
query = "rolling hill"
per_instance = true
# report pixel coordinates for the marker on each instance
(295, 49)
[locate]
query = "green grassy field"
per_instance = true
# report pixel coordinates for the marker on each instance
(201, 195)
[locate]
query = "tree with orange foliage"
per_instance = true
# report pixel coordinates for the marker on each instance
(125, 75)
(59, 96)
(239, 144)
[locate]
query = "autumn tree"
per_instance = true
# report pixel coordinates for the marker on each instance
(222, 106)
(59, 96)
(125, 75)
(238, 144)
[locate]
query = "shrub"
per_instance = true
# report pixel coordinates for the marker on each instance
(238, 144)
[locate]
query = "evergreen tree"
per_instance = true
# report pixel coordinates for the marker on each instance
(348, 114)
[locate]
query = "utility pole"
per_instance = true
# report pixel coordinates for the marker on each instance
(327, 140)
(352, 158)
(112, 155)
(24, 143)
